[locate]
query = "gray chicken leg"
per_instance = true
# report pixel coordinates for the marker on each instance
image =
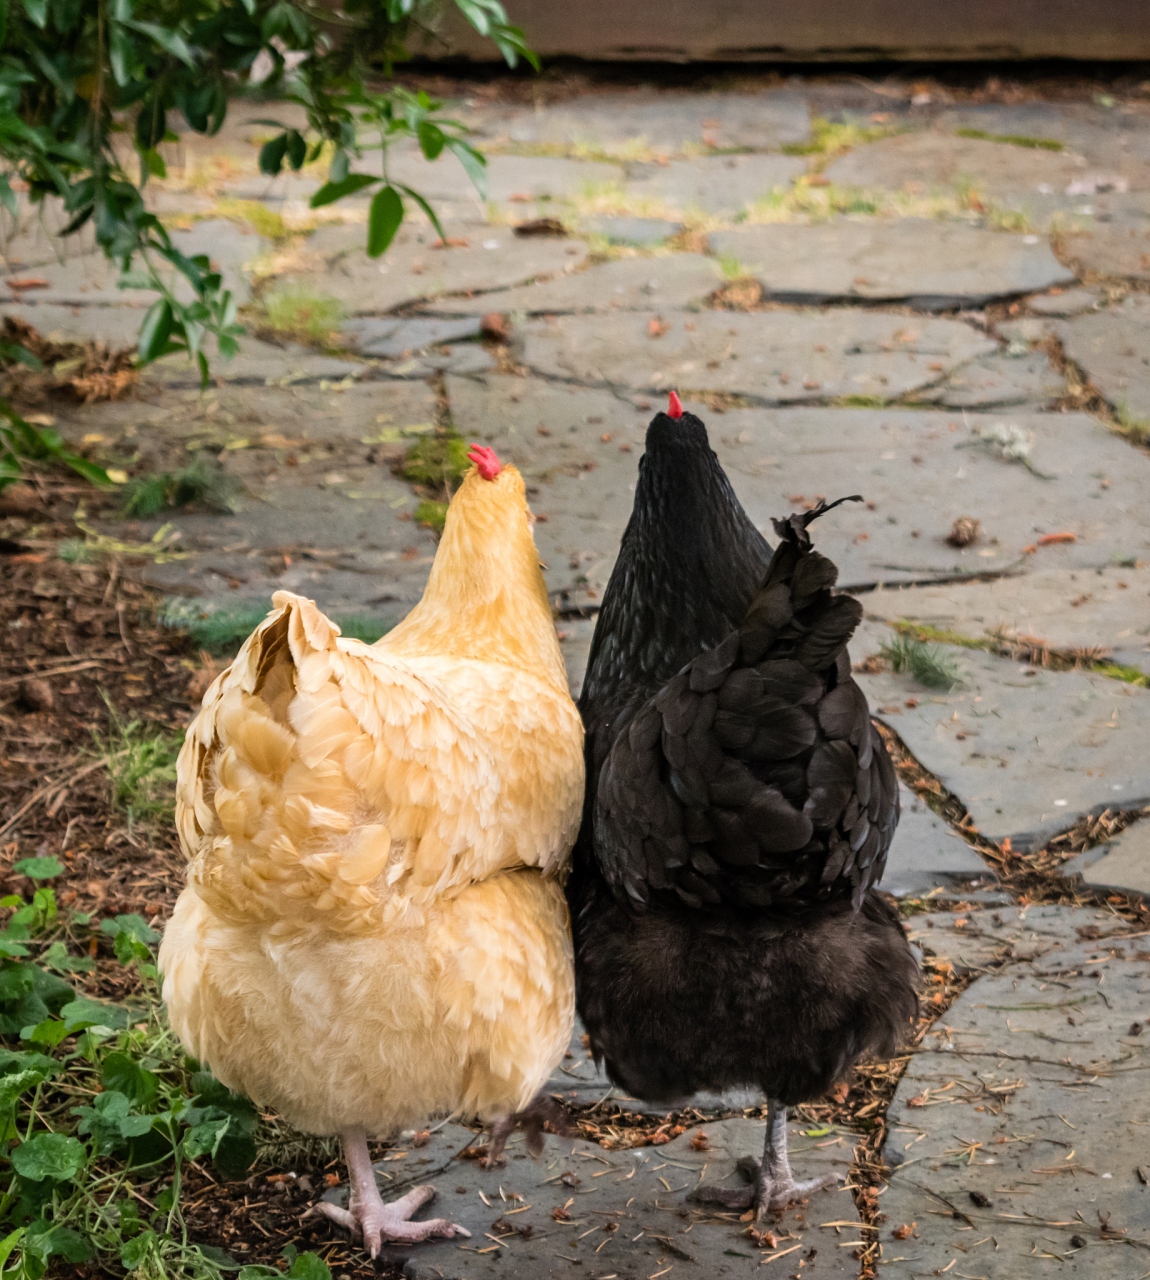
(774, 1185)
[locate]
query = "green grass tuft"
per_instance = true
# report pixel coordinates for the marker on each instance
(831, 139)
(200, 483)
(438, 461)
(432, 514)
(929, 664)
(1013, 139)
(303, 311)
(1117, 671)
(859, 402)
(141, 766)
(266, 221)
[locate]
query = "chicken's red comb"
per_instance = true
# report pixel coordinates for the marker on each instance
(485, 459)
(674, 407)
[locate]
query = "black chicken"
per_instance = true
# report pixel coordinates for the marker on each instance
(739, 809)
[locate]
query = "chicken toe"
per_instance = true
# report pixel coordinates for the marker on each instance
(541, 1111)
(369, 1217)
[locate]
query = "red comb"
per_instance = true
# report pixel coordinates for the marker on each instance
(674, 407)
(485, 459)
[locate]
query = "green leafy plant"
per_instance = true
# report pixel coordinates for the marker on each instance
(200, 483)
(75, 77)
(433, 515)
(20, 440)
(96, 1099)
(437, 461)
(928, 663)
(303, 311)
(141, 766)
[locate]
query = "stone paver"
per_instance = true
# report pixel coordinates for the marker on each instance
(257, 363)
(926, 856)
(929, 162)
(633, 1219)
(922, 262)
(665, 123)
(1103, 609)
(642, 232)
(721, 185)
(906, 463)
(489, 258)
(1113, 346)
(627, 284)
(999, 381)
(1017, 1130)
(773, 357)
(1112, 250)
(509, 178)
(315, 515)
(118, 326)
(1027, 750)
(391, 337)
(1064, 302)
(1124, 864)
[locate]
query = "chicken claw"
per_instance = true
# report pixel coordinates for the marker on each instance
(368, 1217)
(379, 1223)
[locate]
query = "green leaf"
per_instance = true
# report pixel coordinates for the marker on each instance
(154, 163)
(332, 191)
(7, 195)
(168, 40)
(134, 925)
(155, 331)
(50, 1241)
(82, 1013)
(432, 217)
(136, 1251)
(16, 1083)
(50, 1032)
(3, 33)
(296, 149)
(37, 10)
(9, 1243)
(336, 173)
(49, 1155)
(126, 1076)
(431, 139)
(473, 162)
(39, 868)
(272, 155)
(309, 1266)
(151, 123)
(383, 220)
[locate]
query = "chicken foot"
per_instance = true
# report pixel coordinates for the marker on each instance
(540, 1111)
(774, 1185)
(369, 1217)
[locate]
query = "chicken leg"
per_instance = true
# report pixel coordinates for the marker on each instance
(369, 1217)
(774, 1185)
(539, 1112)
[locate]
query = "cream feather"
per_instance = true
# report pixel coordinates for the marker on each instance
(373, 928)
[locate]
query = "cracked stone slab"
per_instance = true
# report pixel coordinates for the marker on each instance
(903, 461)
(664, 122)
(1094, 132)
(926, 855)
(509, 178)
(91, 280)
(985, 940)
(257, 362)
(1064, 303)
(632, 1220)
(929, 162)
(1029, 1094)
(1114, 249)
(1105, 608)
(771, 356)
(1000, 381)
(314, 516)
(117, 326)
(1113, 346)
(412, 269)
(372, 336)
(1027, 750)
(922, 262)
(1125, 862)
(677, 282)
(644, 233)
(720, 185)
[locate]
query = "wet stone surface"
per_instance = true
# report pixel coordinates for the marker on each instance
(931, 265)
(1017, 1131)
(1025, 749)
(772, 357)
(632, 1219)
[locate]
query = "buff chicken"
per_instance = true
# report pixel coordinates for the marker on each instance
(374, 927)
